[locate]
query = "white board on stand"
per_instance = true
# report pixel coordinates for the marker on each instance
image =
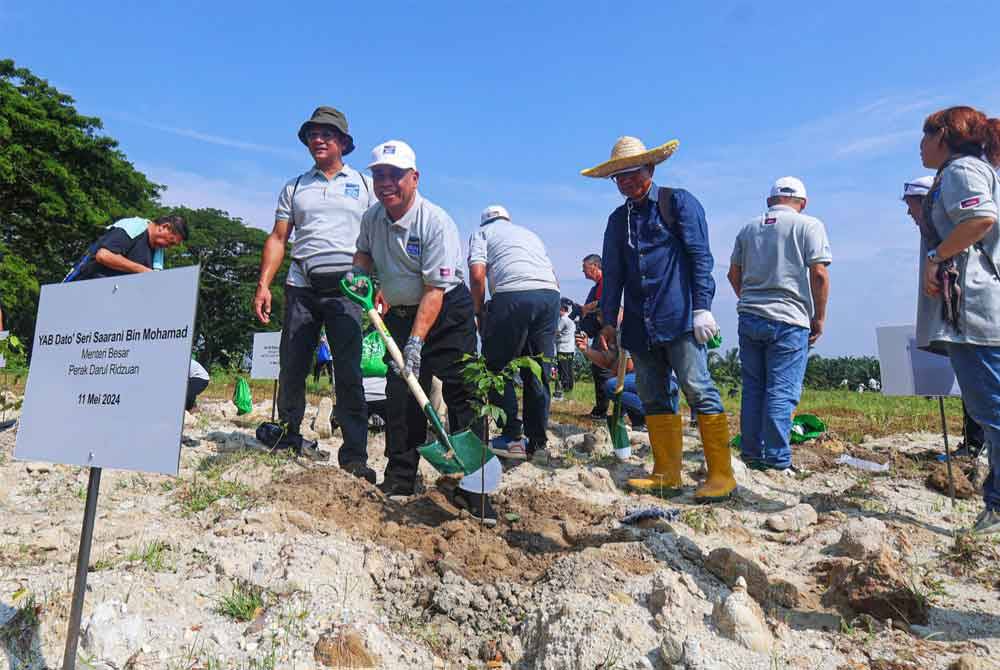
(909, 371)
(109, 371)
(266, 359)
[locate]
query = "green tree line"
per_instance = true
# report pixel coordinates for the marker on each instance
(821, 373)
(62, 181)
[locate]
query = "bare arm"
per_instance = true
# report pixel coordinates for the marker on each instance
(270, 261)
(964, 235)
(819, 285)
(110, 259)
(427, 311)
(735, 276)
(602, 359)
(477, 285)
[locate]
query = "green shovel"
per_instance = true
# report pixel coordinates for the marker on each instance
(463, 452)
(616, 425)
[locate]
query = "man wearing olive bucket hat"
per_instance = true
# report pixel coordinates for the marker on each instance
(656, 253)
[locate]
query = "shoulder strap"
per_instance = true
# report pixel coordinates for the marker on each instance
(291, 201)
(665, 203)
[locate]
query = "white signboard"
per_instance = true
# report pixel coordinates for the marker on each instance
(109, 372)
(909, 371)
(3, 336)
(265, 358)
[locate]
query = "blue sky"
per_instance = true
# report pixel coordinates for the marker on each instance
(506, 102)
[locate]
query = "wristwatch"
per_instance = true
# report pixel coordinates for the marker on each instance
(932, 256)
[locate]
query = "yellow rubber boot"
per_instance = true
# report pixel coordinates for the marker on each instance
(720, 482)
(666, 442)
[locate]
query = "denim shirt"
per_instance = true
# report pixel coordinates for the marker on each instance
(664, 278)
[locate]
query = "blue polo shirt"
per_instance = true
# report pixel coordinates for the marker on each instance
(663, 277)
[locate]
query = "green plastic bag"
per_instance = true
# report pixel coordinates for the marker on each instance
(372, 355)
(805, 427)
(242, 398)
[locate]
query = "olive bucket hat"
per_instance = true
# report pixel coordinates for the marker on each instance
(328, 116)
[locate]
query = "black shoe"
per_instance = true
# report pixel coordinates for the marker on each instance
(478, 506)
(360, 470)
(395, 490)
(598, 415)
(309, 449)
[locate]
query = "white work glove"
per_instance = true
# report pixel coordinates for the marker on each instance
(411, 356)
(705, 326)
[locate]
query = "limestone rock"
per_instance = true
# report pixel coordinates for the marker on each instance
(49, 539)
(877, 587)
(322, 423)
(672, 646)
(111, 634)
(799, 517)
(729, 566)
(669, 593)
(38, 468)
(968, 662)
(862, 538)
(741, 619)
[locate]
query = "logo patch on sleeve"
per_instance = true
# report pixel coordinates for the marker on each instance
(969, 202)
(445, 272)
(770, 221)
(413, 247)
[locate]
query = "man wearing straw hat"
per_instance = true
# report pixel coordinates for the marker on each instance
(656, 253)
(414, 246)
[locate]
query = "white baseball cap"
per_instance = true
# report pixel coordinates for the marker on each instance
(920, 186)
(788, 187)
(395, 153)
(492, 213)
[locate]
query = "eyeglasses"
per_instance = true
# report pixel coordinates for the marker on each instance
(389, 173)
(324, 134)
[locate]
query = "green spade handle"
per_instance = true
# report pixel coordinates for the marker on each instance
(363, 299)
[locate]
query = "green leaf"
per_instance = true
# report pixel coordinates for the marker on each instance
(510, 516)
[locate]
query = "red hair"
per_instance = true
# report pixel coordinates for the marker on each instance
(967, 131)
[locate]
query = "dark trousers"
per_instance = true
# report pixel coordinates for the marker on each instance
(305, 313)
(195, 386)
(565, 371)
(601, 399)
(973, 431)
(523, 323)
(452, 336)
(323, 367)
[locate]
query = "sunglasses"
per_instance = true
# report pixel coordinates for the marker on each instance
(389, 173)
(626, 176)
(324, 134)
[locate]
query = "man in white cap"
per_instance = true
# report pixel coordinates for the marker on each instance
(656, 253)
(520, 319)
(323, 206)
(414, 247)
(779, 273)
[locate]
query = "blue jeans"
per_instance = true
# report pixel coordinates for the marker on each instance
(630, 395)
(978, 372)
(689, 360)
(773, 357)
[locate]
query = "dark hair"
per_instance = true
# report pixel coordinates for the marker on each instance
(176, 224)
(967, 131)
(592, 259)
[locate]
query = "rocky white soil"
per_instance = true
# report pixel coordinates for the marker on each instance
(834, 568)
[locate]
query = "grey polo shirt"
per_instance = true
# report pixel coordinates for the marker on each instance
(774, 252)
(514, 257)
(327, 216)
(422, 248)
(968, 188)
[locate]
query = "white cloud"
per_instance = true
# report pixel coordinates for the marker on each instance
(209, 138)
(252, 201)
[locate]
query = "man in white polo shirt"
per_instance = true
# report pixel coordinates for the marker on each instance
(779, 273)
(519, 320)
(323, 206)
(414, 247)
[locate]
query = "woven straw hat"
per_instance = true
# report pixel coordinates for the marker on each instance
(629, 153)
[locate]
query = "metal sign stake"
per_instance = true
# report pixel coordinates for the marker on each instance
(82, 561)
(947, 452)
(274, 399)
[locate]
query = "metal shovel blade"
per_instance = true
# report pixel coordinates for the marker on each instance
(468, 454)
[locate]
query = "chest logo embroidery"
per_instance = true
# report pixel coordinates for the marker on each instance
(413, 247)
(352, 190)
